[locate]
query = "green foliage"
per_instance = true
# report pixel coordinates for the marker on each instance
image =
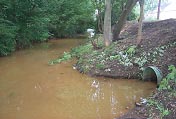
(114, 57)
(71, 17)
(151, 55)
(133, 15)
(81, 50)
(159, 106)
(100, 66)
(66, 56)
(97, 41)
(141, 61)
(75, 52)
(117, 8)
(7, 37)
(24, 22)
(171, 76)
(164, 84)
(131, 50)
(125, 56)
(31, 20)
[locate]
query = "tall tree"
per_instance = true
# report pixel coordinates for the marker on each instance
(139, 36)
(158, 13)
(71, 17)
(99, 8)
(24, 22)
(107, 23)
(118, 27)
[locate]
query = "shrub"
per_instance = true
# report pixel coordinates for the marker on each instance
(7, 37)
(171, 76)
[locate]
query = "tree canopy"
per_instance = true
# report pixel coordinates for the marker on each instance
(24, 22)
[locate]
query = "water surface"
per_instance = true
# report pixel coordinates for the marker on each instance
(31, 89)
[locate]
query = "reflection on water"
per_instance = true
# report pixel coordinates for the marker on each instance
(30, 89)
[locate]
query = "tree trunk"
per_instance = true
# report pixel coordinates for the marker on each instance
(100, 18)
(98, 5)
(100, 23)
(118, 27)
(107, 23)
(139, 36)
(158, 13)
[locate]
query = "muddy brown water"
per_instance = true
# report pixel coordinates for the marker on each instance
(31, 89)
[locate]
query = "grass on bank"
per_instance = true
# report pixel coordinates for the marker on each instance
(166, 91)
(75, 52)
(88, 57)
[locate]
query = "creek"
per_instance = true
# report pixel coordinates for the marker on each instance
(31, 89)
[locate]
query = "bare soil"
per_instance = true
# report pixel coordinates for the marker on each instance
(155, 34)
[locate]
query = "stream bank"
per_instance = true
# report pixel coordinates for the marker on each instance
(31, 89)
(123, 60)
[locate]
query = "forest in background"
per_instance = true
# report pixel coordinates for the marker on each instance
(23, 23)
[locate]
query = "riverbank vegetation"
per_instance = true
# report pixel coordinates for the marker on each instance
(122, 59)
(161, 104)
(23, 23)
(124, 54)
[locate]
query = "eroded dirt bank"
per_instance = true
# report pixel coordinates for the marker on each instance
(158, 48)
